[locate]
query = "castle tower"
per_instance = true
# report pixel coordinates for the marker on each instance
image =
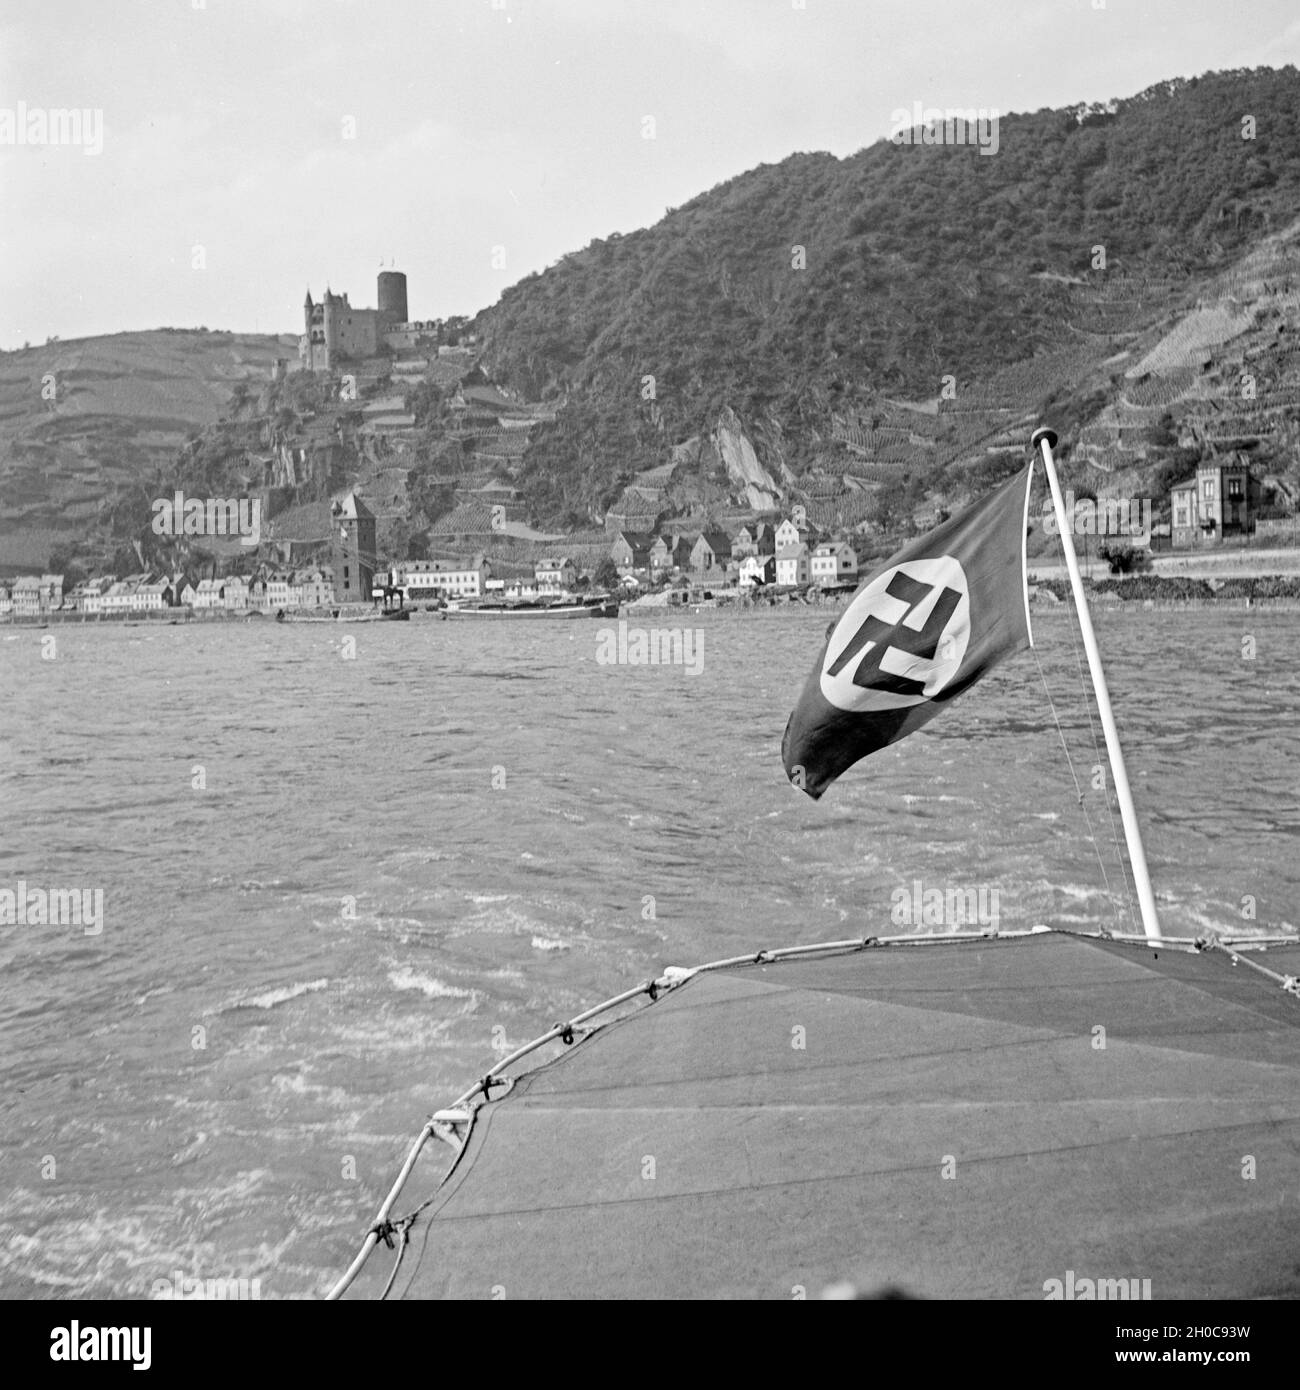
(353, 549)
(392, 298)
(330, 326)
(305, 348)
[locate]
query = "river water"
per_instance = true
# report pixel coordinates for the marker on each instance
(332, 882)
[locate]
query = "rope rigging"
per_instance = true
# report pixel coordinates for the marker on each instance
(464, 1110)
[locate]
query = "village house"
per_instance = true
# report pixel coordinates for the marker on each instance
(558, 573)
(279, 591)
(711, 551)
(790, 535)
(792, 566)
(27, 596)
(187, 595)
(75, 598)
(6, 602)
(757, 569)
(1218, 504)
(312, 588)
(209, 594)
(630, 550)
(153, 594)
(93, 598)
(120, 595)
(835, 562)
(669, 553)
(755, 539)
(440, 579)
(234, 593)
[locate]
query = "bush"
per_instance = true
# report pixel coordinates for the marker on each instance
(1125, 559)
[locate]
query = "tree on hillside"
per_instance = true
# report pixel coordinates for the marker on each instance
(606, 576)
(61, 562)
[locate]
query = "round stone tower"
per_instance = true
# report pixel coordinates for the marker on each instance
(392, 297)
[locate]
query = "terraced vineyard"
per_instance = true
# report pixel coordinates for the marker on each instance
(83, 421)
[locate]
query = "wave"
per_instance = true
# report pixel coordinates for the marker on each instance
(272, 997)
(428, 985)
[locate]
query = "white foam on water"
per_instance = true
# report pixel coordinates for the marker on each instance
(546, 943)
(1079, 892)
(281, 995)
(428, 985)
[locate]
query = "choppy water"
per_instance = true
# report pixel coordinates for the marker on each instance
(355, 902)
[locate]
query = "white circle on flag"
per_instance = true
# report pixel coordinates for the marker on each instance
(899, 636)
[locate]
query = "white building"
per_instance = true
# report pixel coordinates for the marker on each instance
(789, 536)
(154, 593)
(557, 573)
(312, 589)
(120, 597)
(209, 594)
(434, 578)
(836, 562)
(757, 569)
(792, 566)
(93, 598)
(235, 592)
(26, 596)
(280, 592)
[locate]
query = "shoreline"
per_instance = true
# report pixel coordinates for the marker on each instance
(1145, 593)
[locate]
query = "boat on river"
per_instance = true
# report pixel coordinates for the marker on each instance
(532, 609)
(345, 613)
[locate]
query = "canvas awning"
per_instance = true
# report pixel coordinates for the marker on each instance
(959, 1120)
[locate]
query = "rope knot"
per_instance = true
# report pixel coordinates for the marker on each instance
(386, 1230)
(566, 1034)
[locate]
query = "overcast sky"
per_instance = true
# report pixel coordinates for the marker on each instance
(297, 142)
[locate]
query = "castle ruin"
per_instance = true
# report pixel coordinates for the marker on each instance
(335, 332)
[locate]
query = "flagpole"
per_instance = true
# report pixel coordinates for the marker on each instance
(1044, 440)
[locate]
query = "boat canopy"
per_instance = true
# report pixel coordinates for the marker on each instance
(937, 1118)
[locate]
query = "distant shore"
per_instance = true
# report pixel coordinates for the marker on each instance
(1140, 592)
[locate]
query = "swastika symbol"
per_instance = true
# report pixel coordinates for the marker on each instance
(923, 642)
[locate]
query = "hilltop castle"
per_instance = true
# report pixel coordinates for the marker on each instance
(335, 332)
